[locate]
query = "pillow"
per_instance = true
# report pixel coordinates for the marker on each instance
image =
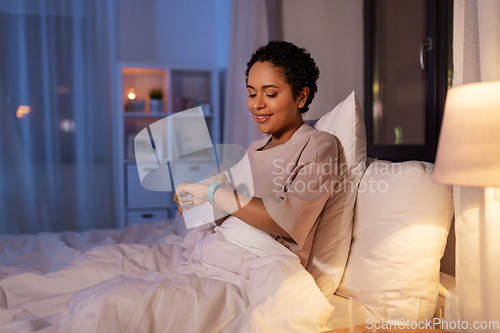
(333, 235)
(401, 224)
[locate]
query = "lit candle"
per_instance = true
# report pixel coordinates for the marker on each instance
(22, 111)
(131, 94)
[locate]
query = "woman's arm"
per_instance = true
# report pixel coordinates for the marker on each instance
(252, 211)
(220, 215)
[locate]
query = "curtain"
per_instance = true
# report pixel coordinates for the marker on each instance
(249, 30)
(476, 57)
(55, 115)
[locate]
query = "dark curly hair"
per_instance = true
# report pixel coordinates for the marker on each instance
(295, 64)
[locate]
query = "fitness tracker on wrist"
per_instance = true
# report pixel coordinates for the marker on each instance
(211, 191)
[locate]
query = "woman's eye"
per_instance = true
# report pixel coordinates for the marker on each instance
(252, 95)
(271, 95)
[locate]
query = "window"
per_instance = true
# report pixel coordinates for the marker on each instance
(407, 74)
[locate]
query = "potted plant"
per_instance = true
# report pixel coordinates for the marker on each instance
(156, 100)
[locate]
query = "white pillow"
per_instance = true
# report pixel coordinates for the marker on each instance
(401, 223)
(333, 235)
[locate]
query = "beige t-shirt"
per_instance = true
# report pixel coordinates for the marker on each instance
(294, 181)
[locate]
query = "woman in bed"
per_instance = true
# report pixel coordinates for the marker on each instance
(293, 169)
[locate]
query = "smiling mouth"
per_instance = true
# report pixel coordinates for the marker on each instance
(263, 118)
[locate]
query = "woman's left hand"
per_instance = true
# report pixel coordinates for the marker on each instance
(198, 192)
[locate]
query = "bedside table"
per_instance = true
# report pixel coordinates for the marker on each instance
(445, 307)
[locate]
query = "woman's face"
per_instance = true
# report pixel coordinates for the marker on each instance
(271, 101)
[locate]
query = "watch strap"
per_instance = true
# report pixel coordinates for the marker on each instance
(211, 190)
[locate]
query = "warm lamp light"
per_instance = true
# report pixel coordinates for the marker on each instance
(469, 155)
(469, 145)
(131, 95)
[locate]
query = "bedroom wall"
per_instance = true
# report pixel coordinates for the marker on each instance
(137, 31)
(332, 31)
(178, 33)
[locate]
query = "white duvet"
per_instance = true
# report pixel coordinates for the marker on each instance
(145, 278)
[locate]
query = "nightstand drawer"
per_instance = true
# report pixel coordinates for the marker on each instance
(139, 197)
(193, 172)
(146, 217)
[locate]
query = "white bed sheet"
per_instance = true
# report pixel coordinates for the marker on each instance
(343, 317)
(146, 278)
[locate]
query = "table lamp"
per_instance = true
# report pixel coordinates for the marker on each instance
(469, 155)
(469, 145)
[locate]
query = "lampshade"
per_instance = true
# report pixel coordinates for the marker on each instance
(469, 145)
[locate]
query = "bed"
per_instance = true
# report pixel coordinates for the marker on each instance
(234, 278)
(146, 278)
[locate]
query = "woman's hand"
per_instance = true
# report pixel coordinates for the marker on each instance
(189, 195)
